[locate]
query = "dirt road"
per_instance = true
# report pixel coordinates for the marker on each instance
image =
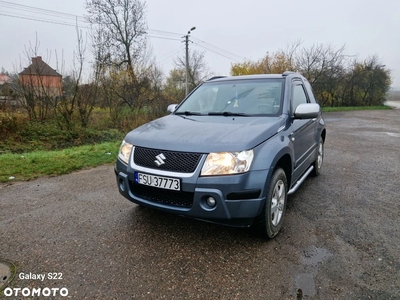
(340, 238)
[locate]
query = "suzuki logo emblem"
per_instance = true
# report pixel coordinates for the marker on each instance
(160, 159)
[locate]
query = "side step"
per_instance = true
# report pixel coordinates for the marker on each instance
(300, 181)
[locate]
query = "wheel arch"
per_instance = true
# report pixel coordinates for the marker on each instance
(285, 163)
(323, 134)
(274, 153)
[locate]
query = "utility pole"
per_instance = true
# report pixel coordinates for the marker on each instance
(187, 59)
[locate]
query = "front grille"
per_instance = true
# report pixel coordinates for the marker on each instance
(183, 162)
(168, 197)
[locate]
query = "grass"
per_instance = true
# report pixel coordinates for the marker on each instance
(22, 136)
(31, 165)
(28, 152)
(349, 108)
(31, 149)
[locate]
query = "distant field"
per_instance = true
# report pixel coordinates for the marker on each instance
(348, 108)
(394, 96)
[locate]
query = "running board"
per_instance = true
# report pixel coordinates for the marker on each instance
(300, 181)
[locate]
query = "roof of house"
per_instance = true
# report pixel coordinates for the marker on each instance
(4, 78)
(39, 67)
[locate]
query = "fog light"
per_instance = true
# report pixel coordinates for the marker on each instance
(211, 201)
(122, 184)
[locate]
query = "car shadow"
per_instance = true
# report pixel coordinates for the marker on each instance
(159, 225)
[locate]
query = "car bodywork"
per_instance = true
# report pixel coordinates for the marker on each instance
(177, 147)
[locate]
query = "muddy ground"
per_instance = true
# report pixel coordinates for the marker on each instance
(340, 238)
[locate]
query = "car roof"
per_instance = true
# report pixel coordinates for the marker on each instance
(256, 76)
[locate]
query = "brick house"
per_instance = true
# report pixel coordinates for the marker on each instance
(41, 78)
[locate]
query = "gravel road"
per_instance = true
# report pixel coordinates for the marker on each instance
(340, 238)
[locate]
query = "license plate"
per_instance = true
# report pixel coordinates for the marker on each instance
(158, 181)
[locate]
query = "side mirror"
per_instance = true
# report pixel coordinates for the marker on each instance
(172, 107)
(307, 111)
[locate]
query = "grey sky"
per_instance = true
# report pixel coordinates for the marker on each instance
(246, 29)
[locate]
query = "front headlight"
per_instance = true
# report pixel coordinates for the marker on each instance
(224, 163)
(125, 151)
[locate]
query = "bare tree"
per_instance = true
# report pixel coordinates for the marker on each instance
(38, 84)
(336, 80)
(69, 103)
(121, 53)
(121, 28)
(198, 69)
(325, 67)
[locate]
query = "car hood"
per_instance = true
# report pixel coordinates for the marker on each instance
(205, 134)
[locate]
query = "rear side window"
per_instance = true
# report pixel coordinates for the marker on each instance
(299, 96)
(310, 92)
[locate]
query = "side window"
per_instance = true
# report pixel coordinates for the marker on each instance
(310, 92)
(299, 96)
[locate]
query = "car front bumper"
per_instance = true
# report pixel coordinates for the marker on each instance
(238, 198)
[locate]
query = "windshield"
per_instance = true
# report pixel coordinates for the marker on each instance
(236, 97)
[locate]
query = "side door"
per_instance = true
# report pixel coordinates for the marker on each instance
(302, 134)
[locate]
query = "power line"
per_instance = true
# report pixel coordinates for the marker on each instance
(179, 49)
(209, 49)
(165, 32)
(72, 25)
(176, 53)
(42, 20)
(218, 48)
(155, 33)
(38, 10)
(164, 38)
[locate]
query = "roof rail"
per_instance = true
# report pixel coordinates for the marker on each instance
(216, 77)
(286, 73)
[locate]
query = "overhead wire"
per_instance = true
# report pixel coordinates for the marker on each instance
(39, 10)
(165, 32)
(83, 23)
(173, 54)
(179, 49)
(209, 49)
(216, 49)
(42, 20)
(161, 37)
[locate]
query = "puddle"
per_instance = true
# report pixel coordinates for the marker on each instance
(393, 134)
(6, 273)
(305, 285)
(316, 255)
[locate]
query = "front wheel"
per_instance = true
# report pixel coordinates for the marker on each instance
(271, 219)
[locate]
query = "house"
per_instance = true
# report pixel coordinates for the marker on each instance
(4, 79)
(7, 92)
(39, 78)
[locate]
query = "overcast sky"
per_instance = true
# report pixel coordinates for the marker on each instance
(227, 31)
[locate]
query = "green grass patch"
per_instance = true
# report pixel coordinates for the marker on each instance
(348, 108)
(35, 136)
(31, 165)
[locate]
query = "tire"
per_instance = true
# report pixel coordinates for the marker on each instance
(270, 221)
(319, 159)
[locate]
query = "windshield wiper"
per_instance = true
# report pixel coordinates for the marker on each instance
(226, 113)
(188, 113)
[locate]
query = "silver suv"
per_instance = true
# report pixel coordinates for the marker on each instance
(231, 152)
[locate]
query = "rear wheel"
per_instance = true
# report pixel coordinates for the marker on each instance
(319, 158)
(270, 221)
